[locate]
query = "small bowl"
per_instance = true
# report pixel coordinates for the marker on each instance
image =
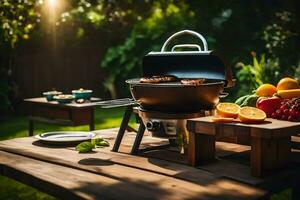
(50, 94)
(82, 94)
(64, 98)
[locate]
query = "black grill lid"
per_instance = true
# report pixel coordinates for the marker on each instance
(191, 65)
(186, 64)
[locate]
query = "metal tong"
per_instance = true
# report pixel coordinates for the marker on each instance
(114, 103)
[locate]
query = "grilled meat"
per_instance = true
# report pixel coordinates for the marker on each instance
(194, 82)
(159, 79)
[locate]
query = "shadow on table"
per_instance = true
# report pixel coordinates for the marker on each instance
(125, 188)
(54, 145)
(255, 124)
(238, 157)
(95, 162)
(122, 189)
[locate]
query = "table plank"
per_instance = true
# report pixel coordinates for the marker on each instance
(70, 183)
(162, 165)
(103, 178)
(68, 156)
(163, 161)
(62, 182)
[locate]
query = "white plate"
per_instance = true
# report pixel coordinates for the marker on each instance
(65, 136)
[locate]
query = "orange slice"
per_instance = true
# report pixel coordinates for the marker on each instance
(251, 115)
(230, 110)
(222, 119)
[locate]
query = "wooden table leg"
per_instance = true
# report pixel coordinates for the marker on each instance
(30, 128)
(201, 148)
(296, 188)
(269, 154)
(92, 120)
(256, 157)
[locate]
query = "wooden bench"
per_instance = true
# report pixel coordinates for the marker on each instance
(270, 142)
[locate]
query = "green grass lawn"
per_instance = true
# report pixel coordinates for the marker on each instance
(18, 127)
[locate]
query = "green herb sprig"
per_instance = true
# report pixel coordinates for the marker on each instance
(88, 146)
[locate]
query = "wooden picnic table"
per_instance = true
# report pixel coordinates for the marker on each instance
(157, 174)
(270, 142)
(103, 174)
(52, 112)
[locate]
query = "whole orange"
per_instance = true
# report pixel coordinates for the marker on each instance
(266, 90)
(287, 84)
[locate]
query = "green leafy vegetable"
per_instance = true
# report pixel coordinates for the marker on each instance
(99, 142)
(250, 101)
(85, 147)
(241, 100)
(247, 100)
(103, 144)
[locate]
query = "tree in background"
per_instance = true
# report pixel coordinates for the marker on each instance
(17, 20)
(133, 28)
(147, 34)
(234, 28)
(141, 25)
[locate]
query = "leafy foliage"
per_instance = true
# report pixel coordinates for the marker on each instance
(280, 38)
(251, 76)
(133, 28)
(17, 20)
(147, 34)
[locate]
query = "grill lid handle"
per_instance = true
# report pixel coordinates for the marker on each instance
(189, 32)
(196, 46)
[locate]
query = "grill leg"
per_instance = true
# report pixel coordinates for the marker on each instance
(172, 142)
(138, 139)
(123, 127)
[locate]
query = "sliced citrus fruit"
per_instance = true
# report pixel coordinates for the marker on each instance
(266, 90)
(287, 84)
(223, 119)
(230, 110)
(251, 115)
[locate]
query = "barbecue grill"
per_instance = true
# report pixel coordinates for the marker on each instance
(174, 96)
(164, 107)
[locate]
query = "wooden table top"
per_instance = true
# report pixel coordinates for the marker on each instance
(270, 128)
(43, 101)
(62, 172)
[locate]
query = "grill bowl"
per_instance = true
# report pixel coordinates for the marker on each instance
(176, 97)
